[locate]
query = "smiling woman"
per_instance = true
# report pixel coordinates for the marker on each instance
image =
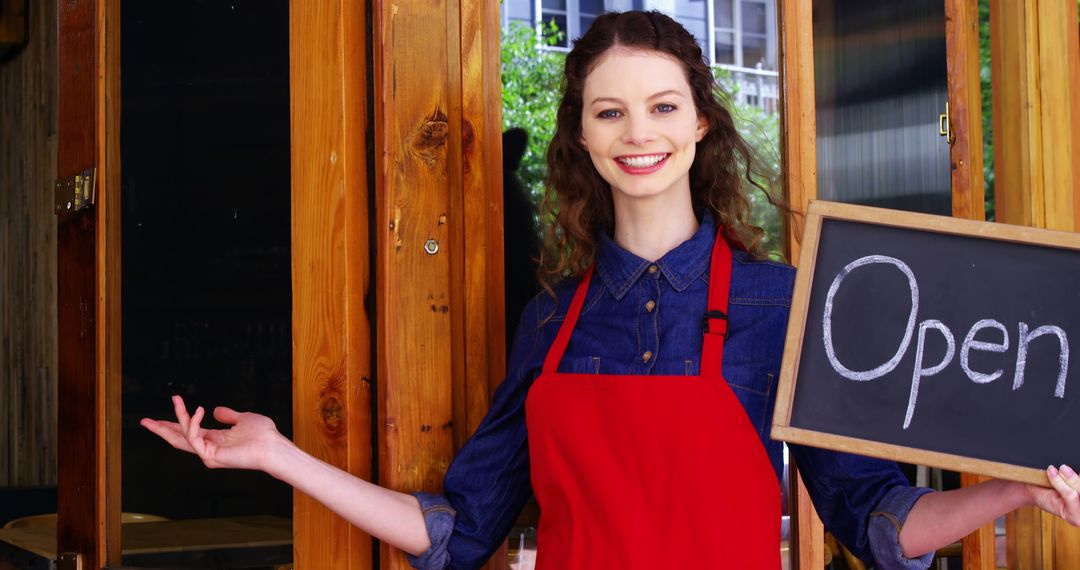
(635, 405)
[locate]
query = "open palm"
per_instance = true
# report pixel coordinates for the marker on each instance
(241, 446)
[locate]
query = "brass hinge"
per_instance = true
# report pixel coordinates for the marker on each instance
(77, 192)
(945, 125)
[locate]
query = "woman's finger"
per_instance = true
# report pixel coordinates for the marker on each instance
(226, 415)
(170, 432)
(181, 412)
(1071, 496)
(1070, 477)
(1067, 501)
(193, 432)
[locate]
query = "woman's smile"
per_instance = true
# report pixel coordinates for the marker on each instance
(642, 163)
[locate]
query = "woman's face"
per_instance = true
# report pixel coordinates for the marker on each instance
(639, 124)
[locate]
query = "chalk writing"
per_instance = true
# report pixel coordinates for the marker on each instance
(921, 370)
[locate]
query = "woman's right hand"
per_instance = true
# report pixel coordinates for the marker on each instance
(253, 442)
(246, 444)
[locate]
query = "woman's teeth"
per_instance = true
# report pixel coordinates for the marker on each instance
(641, 161)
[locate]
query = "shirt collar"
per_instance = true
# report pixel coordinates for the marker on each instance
(620, 269)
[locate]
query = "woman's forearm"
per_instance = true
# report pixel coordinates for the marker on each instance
(940, 519)
(387, 515)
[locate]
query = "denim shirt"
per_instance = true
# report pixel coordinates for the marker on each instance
(863, 501)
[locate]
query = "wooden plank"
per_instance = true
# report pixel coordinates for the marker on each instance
(1055, 40)
(415, 303)
(978, 547)
(798, 124)
(481, 219)
(1073, 54)
(438, 173)
(1036, 181)
(108, 381)
(330, 267)
(28, 257)
(965, 108)
(1017, 136)
(798, 114)
(82, 486)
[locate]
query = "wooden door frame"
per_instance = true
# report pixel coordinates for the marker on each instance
(798, 120)
(418, 135)
(88, 274)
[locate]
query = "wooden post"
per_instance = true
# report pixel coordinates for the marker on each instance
(965, 112)
(965, 108)
(330, 266)
(1034, 50)
(438, 233)
(798, 121)
(88, 273)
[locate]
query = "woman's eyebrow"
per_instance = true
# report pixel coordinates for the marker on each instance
(618, 101)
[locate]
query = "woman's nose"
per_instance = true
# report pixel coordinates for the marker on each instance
(639, 130)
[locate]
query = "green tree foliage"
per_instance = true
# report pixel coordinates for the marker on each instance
(531, 85)
(531, 79)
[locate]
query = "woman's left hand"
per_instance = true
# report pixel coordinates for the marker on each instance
(1063, 499)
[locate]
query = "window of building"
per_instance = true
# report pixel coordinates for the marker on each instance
(742, 34)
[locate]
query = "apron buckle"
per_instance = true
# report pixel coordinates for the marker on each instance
(714, 314)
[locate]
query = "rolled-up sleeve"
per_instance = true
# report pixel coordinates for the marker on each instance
(885, 523)
(439, 518)
(863, 502)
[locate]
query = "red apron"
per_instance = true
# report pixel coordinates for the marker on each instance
(650, 472)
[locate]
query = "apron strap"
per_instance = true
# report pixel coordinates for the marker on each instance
(715, 324)
(555, 353)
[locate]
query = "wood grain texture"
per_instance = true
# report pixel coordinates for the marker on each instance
(798, 114)
(83, 312)
(438, 177)
(1034, 88)
(415, 302)
(28, 346)
(965, 108)
(978, 547)
(481, 220)
(1054, 42)
(1012, 86)
(330, 267)
(108, 274)
(798, 140)
(965, 111)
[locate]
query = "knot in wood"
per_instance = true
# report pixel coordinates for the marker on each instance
(333, 415)
(429, 140)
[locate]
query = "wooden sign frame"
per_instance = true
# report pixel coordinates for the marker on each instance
(818, 212)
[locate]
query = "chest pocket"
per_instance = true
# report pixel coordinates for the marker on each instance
(581, 365)
(756, 391)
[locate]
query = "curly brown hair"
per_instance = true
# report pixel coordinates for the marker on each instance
(580, 200)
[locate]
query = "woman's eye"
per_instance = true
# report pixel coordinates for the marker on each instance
(608, 114)
(665, 108)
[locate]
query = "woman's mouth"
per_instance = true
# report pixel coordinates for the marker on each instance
(642, 163)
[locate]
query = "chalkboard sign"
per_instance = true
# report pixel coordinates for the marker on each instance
(934, 341)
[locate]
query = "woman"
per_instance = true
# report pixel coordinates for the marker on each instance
(640, 390)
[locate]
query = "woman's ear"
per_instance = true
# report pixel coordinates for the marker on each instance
(702, 128)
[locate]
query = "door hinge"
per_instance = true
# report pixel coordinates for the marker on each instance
(77, 192)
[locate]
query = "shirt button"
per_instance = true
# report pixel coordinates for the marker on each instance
(647, 356)
(650, 306)
(653, 268)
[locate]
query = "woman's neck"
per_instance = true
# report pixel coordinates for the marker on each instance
(651, 228)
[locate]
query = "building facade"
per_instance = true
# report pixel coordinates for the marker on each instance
(738, 36)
